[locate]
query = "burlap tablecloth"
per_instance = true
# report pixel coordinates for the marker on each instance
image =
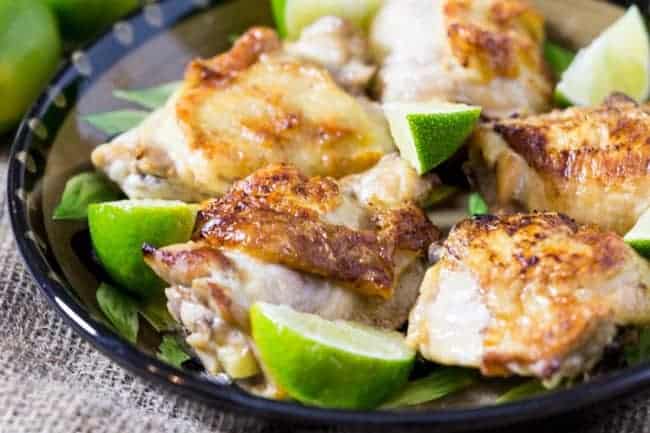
(51, 381)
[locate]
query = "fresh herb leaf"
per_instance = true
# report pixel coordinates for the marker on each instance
(232, 38)
(82, 190)
(440, 194)
(523, 391)
(154, 97)
(476, 205)
(120, 309)
(440, 383)
(155, 312)
(639, 352)
(116, 122)
(558, 58)
(172, 352)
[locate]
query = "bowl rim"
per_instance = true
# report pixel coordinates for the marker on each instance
(199, 386)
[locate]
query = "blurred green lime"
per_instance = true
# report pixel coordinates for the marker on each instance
(80, 19)
(30, 47)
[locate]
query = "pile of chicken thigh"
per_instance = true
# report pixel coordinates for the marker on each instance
(306, 202)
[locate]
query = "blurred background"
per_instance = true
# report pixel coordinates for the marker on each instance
(35, 35)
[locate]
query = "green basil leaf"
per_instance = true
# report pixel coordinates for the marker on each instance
(440, 383)
(172, 351)
(640, 351)
(120, 309)
(558, 58)
(155, 312)
(523, 391)
(82, 190)
(476, 205)
(154, 97)
(116, 122)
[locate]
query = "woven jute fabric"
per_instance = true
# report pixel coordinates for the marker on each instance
(54, 382)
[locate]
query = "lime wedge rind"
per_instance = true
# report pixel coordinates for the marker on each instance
(427, 134)
(118, 230)
(329, 363)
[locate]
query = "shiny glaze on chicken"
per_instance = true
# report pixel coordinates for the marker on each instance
(349, 249)
(242, 110)
(279, 215)
(483, 52)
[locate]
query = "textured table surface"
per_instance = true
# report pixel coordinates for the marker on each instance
(54, 382)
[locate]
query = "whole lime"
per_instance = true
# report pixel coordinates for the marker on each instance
(118, 230)
(81, 19)
(30, 48)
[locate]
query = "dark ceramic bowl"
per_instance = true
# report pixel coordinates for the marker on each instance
(53, 143)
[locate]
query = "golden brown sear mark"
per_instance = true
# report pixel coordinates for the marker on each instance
(582, 152)
(495, 46)
(524, 261)
(491, 53)
(275, 215)
(257, 104)
(220, 70)
(536, 240)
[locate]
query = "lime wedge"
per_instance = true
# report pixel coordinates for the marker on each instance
(119, 229)
(428, 133)
(291, 16)
(639, 237)
(329, 364)
(616, 61)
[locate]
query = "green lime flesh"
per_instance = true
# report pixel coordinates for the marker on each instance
(427, 134)
(616, 61)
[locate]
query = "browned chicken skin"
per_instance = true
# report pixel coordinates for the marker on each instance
(482, 52)
(254, 105)
(590, 163)
(528, 294)
(349, 249)
(275, 214)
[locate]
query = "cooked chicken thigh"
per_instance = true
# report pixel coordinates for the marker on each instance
(343, 250)
(483, 52)
(247, 108)
(528, 294)
(339, 46)
(591, 163)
